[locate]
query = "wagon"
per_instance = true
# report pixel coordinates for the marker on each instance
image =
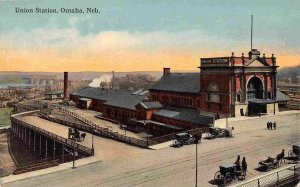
(294, 154)
(269, 163)
(228, 172)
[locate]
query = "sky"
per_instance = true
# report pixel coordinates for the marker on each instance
(144, 35)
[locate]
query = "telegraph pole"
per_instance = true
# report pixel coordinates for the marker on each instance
(196, 142)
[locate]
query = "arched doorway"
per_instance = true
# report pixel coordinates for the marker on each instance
(254, 88)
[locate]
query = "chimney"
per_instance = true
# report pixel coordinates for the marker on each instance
(112, 80)
(167, 71)
(66, 85)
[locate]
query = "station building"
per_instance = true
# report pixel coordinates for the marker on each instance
(227, 86)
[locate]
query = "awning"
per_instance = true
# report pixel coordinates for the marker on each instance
(262, 101)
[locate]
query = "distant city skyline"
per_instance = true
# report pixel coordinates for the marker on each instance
(135, 36)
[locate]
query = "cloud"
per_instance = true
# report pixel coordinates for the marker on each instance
(121, 50)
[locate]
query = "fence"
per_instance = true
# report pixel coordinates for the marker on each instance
(54, 136)
(101, 131)
(279, 177)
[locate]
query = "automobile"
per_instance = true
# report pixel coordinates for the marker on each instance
(183, 139)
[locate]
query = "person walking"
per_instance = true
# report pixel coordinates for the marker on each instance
(274, 125)
(244, 166)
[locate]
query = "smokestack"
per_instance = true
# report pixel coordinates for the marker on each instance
(167, 71)
(112, 79)
(66, 81)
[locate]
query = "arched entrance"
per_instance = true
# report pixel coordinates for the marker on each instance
(254, 88)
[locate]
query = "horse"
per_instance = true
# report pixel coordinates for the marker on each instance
(280, 156)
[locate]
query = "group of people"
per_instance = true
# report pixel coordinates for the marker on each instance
(271, 125)
(241, 167)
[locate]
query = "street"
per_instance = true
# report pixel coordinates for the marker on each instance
(176, 166)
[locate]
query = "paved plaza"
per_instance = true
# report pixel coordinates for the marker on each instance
(125, 165)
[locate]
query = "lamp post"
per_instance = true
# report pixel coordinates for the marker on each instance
(73, 155)
(93, 144)
(196, 142)
(146, 132)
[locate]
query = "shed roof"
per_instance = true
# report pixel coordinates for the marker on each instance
(187, 115)
(117, 98)
(151, 105)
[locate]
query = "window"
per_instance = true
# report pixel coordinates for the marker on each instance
(176, 100)
(188, 102)
(238, 97)
(214, 98)
(165, 98)
(269, 95)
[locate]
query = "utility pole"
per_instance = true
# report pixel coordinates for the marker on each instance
(196, 142)
(73, 155)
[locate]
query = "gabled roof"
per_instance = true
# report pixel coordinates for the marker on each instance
(179, 82)
(151, 105)
(259, 61)
(187, 115)
(117, 98)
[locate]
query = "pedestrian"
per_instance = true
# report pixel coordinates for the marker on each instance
(274, 125)
(244, 166)
(270, 125)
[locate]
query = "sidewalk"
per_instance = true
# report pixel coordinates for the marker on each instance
(221, 123)
(161, 145)
(61, 167)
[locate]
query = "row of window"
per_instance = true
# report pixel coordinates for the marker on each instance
(175, 100)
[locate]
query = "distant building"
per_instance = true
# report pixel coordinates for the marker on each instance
(54, 95)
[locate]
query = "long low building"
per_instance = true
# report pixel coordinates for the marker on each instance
(122, 106)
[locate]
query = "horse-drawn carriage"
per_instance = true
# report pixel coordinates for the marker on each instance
(294, 154)
(183, 139)
(76, 135)
(228, 173)
(271, 163)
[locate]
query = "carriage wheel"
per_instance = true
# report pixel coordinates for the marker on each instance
(218, 175)
(227, 178)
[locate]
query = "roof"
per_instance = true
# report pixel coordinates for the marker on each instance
(84, 99)
(281, 96)
(54, 92)
(262, 101)
(117, 98)
(151, 105)
(179, 82)
(165, 125)
(186, 115)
